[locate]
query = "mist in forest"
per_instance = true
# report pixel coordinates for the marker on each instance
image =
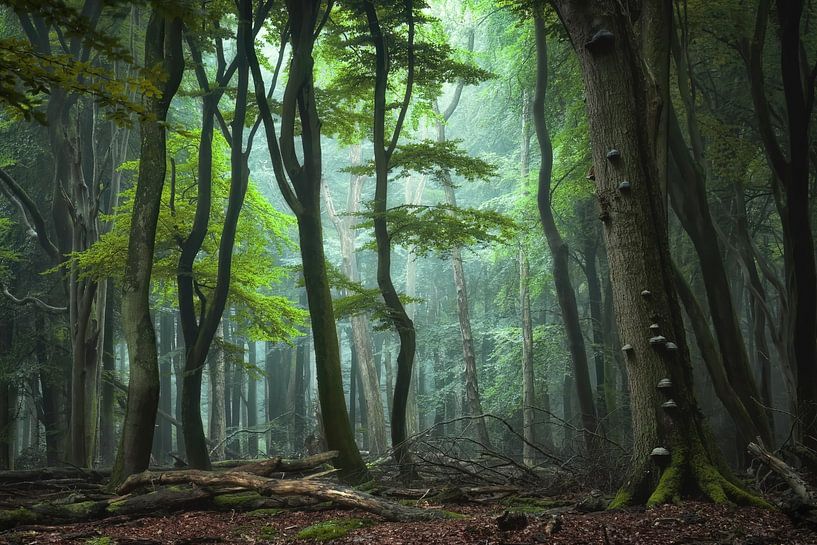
(507, 248)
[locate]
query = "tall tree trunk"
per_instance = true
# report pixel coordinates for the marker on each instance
(252, 403)
(792, 193)
(178, 373)
(106, 406)
(361, 330)
(300, 185)
(622, 113)
(559, 250)
(166, 334)
(162, 48)
(463, 310)
(383, 151)
(218, 415)
(688, 197)
(528, 376)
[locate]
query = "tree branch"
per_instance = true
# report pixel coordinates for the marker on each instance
(30, 207)
(32, 300)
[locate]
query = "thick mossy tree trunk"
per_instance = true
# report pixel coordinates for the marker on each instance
(299, 179)
(558, 247)
(163, 48)
(673, 453)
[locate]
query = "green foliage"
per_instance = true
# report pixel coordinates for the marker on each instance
(262, 233)
(357, 299)
(8, 255)
(502, 388)
(441, 228)
(432, 158)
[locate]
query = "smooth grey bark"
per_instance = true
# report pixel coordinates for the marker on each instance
(217, 414)
(528, 381)
(252, 402)
(463, 310)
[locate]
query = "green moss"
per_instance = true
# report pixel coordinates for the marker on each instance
(453, 515)
(114, 506)
(668, 488)
(12, 517)
(527, 505)
(267, 512)
(623, 498)
(268, 532)
(238, 500)
(332, 529)
(102, 540)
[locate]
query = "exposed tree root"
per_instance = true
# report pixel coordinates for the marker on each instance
(690, 473)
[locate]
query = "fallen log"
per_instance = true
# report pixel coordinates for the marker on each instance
(340, 495)
(53, 474)
(265, 468)
(158, 502)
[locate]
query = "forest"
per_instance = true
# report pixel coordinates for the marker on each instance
(408, 272)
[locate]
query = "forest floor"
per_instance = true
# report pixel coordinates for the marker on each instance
(689, 523)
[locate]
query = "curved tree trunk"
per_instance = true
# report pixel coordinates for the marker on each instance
(383, 150)
(361, 332)
(688, 197)
(162, 47)
(300, 185)
(559, 250)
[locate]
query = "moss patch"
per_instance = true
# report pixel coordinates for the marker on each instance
(102, 540)
(332, 529)
(268, 532)
(239, 500)
(12, 517)
(623, 498)
(527, 505)
(267, 512)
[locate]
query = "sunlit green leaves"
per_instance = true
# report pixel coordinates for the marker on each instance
(262, 234)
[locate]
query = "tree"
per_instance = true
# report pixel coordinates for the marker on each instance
(791, 190)
(623, 107)
(558, 247)
(361, 335)
(300, 183)
(163, 49)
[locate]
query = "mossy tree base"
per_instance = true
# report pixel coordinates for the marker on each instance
(691, 473)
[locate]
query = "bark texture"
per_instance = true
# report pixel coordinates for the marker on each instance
(162, 47)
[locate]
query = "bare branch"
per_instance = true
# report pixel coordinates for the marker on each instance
(29, 299)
